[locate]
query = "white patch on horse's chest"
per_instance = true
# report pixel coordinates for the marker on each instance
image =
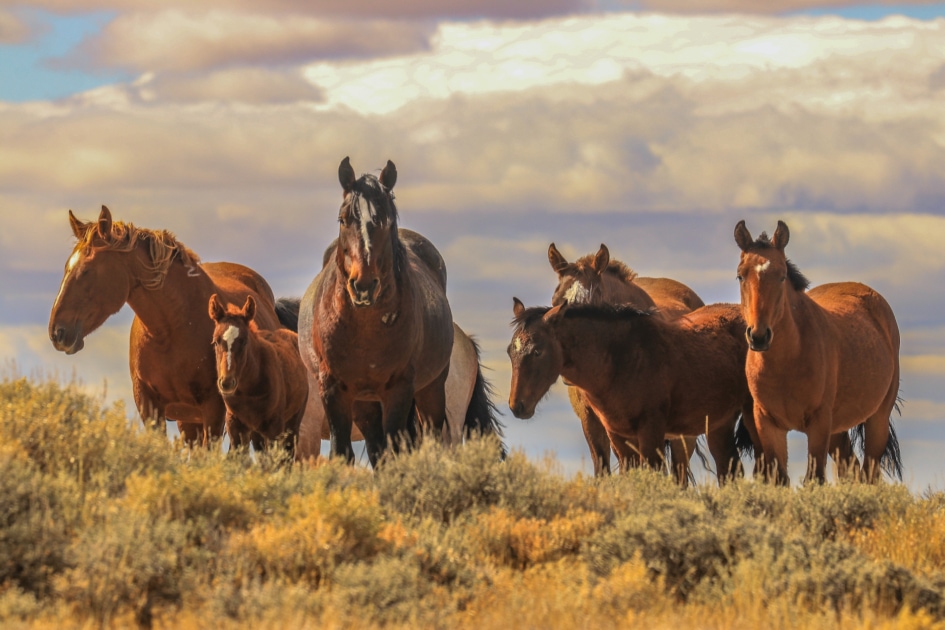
(389, 318)
(577, 293)
(232, 334)
(763, 267)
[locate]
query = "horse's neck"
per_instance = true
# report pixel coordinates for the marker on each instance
(585, 346)
(253, 378)
(791, 329)
(178, 307)
(617, 291)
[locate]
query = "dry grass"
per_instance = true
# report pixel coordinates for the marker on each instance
(105, 525)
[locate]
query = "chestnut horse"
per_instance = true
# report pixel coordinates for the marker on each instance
(597, 279)
(375, 327)
(644, 377)
(260, 376)
(172, 362)
(822, 361)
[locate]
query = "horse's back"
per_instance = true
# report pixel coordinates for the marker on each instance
(858, 309)
(234, 282)
(426, 251)
(672, 297)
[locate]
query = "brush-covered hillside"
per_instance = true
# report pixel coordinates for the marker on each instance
(105, 525)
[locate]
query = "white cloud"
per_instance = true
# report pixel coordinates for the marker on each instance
(12, 29)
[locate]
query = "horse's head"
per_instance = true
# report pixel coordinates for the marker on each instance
(95, 284)
(536, 357)
(765, 276)
(580, 282)
(369, 251)
(231, 335)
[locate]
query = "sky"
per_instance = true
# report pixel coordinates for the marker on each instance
(652, 126)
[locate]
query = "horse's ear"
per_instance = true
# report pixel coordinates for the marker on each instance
(78, 228)
(601, 259)
(104, 222)
(389, 176)
(217, 311)
(249, 309)
(346, 175)
(558, 262)
(781, 236)
(517, 307)
(554, 314)
(743, 236)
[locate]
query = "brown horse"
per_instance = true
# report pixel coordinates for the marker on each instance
(260, 376)
(597, 279)
(822, 362)
(172, 362)
(375, 327)
(644, 377)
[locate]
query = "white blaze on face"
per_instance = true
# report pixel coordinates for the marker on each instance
(70, 265)
(763, 267)
(231, 335)
(365, 219)
(577, 294)
(517, 344)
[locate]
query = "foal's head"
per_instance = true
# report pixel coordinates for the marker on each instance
(580, 282)
(369, 252)
(536, 357)
(765, 276)
(231, 335)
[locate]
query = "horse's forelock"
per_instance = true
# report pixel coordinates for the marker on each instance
(798, 280)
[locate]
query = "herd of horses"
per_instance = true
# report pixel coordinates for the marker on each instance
(371, 351)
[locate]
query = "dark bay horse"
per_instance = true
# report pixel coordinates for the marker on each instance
(822, 361)
(260, 376)
(172, 363)
(375, 326)
(644, 377)
(597, 279)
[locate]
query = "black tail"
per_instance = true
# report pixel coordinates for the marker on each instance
(481, 415)
(746, 448)
(891, 459)
(287, 310)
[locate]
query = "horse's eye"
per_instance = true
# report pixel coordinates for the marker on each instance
(739, 277)
(537, 352)
(783, 278)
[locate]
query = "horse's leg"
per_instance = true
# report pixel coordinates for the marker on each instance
(396, 413)
(841, 449)
(724, 452)
(338, 408)
(369, 418)
(628, 455)
(818, 443)
(313, 426)
(149, 407)
(877, 431)
(651, 437)
(681, 448)
(191, 432)
(597, 439)
(431, 405)
(774, 448)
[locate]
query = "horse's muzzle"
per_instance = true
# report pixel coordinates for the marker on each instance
(758, 343)
(361, 295)
(65, 340)
(519, 410)
(226, 385)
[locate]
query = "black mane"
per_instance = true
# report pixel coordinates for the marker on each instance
(382, 212)
(605, 312)
(798, 280)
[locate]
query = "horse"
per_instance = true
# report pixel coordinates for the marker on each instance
(644, 377)
(599, 279)
(375, 326)
(260, 376)
(821, 362)
(168, 288)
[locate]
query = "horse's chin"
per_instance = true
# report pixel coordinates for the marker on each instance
(78, 345)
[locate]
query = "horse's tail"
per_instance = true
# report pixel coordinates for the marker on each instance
(891, 459)
(698, 451)
(746, 448)
(287, 310)
(481, 414)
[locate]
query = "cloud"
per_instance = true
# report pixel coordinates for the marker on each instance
(12, 29)
(256, 86)
(182, 41)
(750, 6)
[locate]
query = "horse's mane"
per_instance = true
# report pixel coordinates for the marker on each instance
(604, 312)
(798, 280)
(163, 248)
(382, 211)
